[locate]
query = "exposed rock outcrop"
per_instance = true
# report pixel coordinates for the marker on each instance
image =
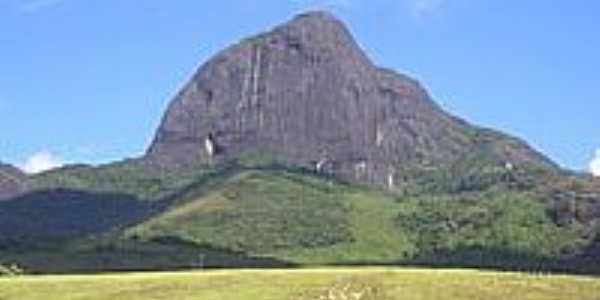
(305, 92)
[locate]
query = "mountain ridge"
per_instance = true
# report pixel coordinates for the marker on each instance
(13, 181)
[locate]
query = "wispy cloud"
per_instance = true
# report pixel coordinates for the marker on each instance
(419, 9)
(33, 6)
(42, 161)
(424, 8)
(595, 164)
(326, 4)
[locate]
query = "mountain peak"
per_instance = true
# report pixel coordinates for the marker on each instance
(315, 33)
(317, 14)
(305, 92)
(319, 18)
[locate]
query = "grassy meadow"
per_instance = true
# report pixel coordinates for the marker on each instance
(303, 284)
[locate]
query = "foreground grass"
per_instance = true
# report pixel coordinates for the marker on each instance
(306, 284)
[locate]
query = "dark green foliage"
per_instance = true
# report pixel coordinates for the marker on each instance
(500, 230)
(472, 174)
(508, 221)
(59, 215)
(492, 162)
(132, 177)
(134, 255)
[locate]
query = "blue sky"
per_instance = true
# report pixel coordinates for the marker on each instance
(88, 80)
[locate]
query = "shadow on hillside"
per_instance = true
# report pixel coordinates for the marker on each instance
(60, 214)
(499, 259)
(160, 254)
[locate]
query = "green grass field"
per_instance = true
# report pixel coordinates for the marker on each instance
(303, 284)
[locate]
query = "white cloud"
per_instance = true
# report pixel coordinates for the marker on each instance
(42, 161)
(595, 164)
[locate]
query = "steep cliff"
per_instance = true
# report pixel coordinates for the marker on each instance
(307, 95)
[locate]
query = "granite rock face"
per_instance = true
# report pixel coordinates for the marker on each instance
(306, 94)
(12, 182)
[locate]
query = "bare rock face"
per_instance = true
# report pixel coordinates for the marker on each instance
(306, 94)
(12, 182)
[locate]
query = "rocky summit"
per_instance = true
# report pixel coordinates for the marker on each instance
(307, 95)
(12, 182)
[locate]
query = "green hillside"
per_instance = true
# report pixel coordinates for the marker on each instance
(304, 219)
(294, 217)
(251, 214)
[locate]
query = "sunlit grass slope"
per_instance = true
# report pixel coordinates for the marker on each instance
(309, 284)
(293, 217)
